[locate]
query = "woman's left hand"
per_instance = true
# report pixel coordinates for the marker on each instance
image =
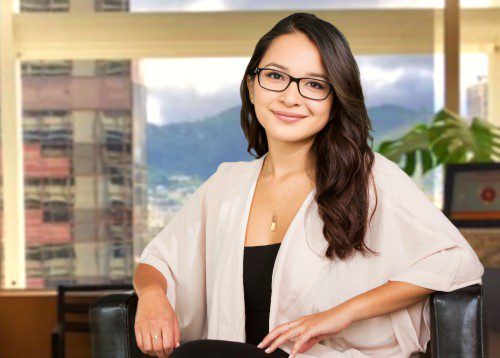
(308, 330)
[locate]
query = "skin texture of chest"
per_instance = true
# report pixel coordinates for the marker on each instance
(261, 211)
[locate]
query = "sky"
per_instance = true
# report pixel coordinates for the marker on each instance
(187, 89)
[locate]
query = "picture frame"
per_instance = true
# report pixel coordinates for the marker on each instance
(472, 194)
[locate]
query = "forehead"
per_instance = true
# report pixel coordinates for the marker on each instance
(297, 53)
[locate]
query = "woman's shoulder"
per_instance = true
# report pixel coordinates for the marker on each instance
(233, 170)
(393, 181)
(233, 174)
(229, 180)
(385, 169)
(236, 166)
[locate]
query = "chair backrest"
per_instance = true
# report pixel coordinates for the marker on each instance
(458, 327)
(112, 320)
(73, 303)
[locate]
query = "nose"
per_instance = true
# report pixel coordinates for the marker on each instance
(291, 95)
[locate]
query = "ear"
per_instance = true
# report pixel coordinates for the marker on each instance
(250, 83)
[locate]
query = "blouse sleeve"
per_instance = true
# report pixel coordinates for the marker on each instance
(433, 252)
(427, 250)
(178, 252)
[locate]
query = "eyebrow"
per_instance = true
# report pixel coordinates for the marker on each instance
(313, 74)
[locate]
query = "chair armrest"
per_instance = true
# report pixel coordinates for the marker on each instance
(112, 319)
(458, 328)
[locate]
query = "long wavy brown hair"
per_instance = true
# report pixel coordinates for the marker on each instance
(340, 154)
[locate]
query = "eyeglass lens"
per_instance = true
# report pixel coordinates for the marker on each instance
(308, 87)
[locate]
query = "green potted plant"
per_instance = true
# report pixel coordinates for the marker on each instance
(448, 139)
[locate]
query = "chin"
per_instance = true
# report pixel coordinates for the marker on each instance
(287, 135)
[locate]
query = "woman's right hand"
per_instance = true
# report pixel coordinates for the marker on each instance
(155, 316)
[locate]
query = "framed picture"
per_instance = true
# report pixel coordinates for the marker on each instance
(472, 194)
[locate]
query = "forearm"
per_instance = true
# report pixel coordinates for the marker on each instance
(389, 297)
(149, 279)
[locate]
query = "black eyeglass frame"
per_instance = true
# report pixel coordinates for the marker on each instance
(292, 79)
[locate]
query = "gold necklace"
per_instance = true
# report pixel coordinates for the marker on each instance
(274, 218)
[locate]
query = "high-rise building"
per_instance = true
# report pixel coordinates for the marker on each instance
(477, 99)
(84, 163)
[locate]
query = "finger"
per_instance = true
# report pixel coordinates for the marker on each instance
(158, 343)
(138, 339)
(307, 345)
(299, 343)
(273, 334)
(265, 339)
(146, 342)
(168, 345)
(152, 340)
(177, 334)
(292, 333)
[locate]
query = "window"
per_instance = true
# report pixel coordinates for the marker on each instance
(96, 191)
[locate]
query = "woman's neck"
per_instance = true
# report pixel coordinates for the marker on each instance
(279, 166)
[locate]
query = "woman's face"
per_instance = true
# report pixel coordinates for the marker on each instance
(297, 56)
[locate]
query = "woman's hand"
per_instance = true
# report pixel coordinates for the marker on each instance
(308, 330)
(156, 317)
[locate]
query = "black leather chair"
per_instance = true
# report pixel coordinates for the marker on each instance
(73, 305)
(458, 328)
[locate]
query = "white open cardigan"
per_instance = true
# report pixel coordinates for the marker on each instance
(200, 253)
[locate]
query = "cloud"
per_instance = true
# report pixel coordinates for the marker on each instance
(404, 80)
(188, 105)
(191, 88)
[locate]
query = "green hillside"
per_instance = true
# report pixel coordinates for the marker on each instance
(196, 148)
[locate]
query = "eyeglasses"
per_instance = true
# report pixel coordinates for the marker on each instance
(279, 81)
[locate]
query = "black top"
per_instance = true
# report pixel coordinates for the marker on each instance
(258, 264)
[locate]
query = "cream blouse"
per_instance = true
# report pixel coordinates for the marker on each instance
(200, 253)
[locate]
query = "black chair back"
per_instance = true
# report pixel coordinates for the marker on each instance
(73, 304)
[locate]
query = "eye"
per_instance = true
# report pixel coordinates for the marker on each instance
(316, 85)
(277, 74)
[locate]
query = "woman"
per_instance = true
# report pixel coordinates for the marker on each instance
(319, 247)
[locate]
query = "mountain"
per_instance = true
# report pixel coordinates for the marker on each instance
(196, 148)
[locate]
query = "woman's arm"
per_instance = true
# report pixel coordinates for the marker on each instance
(389, 297)
(173, 264)
(147, 278)
(309, 330)
(156, 325)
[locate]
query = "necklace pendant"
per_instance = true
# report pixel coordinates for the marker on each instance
(274, 223)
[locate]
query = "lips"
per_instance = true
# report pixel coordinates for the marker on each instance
(288, 116)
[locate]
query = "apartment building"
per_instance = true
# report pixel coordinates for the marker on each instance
(84, 163)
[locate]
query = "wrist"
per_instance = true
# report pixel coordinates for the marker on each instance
(350, 309)
(152, 291)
